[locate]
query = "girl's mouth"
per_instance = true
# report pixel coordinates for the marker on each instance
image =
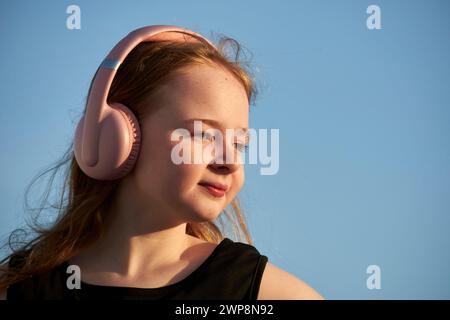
(216, 190)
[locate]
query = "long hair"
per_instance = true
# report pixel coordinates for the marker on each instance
(82, 206)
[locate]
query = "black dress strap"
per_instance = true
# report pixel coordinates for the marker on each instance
(234, 274)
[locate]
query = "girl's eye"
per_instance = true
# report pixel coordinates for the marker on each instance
(241, 147)
(205, 136)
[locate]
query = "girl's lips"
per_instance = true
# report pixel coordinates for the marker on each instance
(216, 185)
(215, 189)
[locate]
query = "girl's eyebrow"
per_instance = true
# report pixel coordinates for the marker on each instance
(218, 124)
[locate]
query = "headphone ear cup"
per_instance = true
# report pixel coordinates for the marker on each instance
(132, 147)
(119, 144)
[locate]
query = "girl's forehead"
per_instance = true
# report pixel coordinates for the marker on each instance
(205, 92)
(198, 92)
(205, 82)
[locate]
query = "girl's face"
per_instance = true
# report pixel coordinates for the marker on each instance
(194, 92)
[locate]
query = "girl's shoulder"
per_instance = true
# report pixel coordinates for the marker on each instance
(278, 284)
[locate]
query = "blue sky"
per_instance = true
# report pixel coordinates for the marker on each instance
(363, 115)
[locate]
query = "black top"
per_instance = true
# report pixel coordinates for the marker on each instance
(233, 271)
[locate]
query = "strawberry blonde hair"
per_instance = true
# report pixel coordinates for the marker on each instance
(82, 206)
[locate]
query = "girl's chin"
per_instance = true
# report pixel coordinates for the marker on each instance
(204, 216)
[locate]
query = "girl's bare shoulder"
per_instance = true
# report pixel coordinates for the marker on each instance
(278, 284)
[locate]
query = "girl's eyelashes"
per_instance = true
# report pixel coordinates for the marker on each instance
(203, 135)
(241, 147)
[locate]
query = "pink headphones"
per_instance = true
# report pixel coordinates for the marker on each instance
(107, 137)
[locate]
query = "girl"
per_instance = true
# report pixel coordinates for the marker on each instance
(143, 229)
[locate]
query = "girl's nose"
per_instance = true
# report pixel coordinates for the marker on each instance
(221, 164)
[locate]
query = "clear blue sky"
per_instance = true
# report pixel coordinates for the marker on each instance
(364, 119)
